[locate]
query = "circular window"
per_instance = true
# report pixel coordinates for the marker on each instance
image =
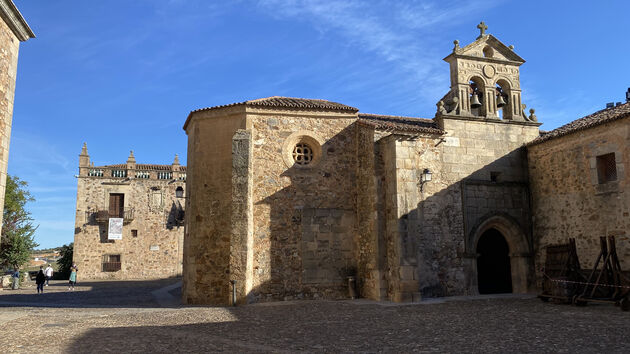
(302, 154)
(302, 149)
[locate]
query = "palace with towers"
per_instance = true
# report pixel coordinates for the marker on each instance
(129, 219)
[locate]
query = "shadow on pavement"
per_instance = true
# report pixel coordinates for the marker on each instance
(92, 294)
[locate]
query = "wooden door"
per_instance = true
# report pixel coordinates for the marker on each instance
(116, 205)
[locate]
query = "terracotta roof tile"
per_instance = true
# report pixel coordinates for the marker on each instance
(288, 102)
(405, 124)
(597, 118)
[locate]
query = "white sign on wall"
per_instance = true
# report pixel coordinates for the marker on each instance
(154, 248)
(115, 229)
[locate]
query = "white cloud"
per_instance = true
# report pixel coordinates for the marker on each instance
(404, 32)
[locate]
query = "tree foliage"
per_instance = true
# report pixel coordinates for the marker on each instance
(65, 261)
(17, 227)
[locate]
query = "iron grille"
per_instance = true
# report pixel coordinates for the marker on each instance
(606, 168)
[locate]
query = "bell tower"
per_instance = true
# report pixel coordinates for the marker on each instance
(484, 81)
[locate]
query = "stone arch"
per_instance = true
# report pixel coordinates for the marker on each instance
(477, 87)
(520, 250)
(504, 87)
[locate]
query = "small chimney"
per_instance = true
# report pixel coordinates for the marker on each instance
(618, 104)
(628, 95)
(610, 104)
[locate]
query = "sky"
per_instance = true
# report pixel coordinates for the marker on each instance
(123, 75)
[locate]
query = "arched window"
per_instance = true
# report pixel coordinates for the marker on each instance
(503, 101)
(488, 52)
(476, 98)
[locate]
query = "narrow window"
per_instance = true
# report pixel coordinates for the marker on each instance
(134, 233)
(494, 176)
(606, 168)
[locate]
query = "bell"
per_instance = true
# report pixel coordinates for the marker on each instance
(501, 101)
(474, 102)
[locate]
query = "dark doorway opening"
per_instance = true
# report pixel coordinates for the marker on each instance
(494, 273)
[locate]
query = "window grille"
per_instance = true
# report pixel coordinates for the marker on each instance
(111, 263)
(302, 154)
(119, 173)
(143, 174)
(165, 175)
(606, 168)
(182, 177)
(95, 173)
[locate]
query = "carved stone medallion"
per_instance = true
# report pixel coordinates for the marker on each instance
(489, 71)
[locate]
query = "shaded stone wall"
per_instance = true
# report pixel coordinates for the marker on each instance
(156, 251)
(9, 46)
(370, 247)
(569, 202)
(241, 243)
(208, 235)
(304, 217)
(472, 150)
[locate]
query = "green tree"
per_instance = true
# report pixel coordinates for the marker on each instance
(17, 228)
(65, 261)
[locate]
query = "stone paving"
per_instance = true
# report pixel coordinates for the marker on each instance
(121, 317)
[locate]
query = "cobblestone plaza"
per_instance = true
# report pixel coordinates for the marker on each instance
(125, 317)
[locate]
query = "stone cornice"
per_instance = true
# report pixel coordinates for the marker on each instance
(482, 59)
(13, 18)
(488, 120)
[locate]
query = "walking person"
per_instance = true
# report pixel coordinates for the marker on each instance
(73, 277)
(48, 272)
(16, 279)
(40, 280)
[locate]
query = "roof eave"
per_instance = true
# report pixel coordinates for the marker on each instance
(16, 22)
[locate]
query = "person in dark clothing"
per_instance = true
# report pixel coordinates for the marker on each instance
(40, 280)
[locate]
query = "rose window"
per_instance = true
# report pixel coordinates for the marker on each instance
(302, 154)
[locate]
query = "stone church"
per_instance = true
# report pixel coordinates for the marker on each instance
(289, 196)
(148, 202)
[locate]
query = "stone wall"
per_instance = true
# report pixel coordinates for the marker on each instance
(569, 201)
(152, 242)
(209, 223)
(304, 216)
(463, 195)
(9, 46)
(371, 255)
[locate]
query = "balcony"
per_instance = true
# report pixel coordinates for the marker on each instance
(111, 266)
(103, 216)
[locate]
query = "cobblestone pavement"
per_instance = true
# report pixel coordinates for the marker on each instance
(502, 324)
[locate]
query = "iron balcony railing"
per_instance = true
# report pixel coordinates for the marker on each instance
(111, 266)
(103, 216)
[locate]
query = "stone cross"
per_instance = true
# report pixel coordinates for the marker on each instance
(482, 27)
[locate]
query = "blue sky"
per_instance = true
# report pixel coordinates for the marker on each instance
(122, 75)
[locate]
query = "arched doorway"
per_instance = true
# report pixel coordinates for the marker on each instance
(494, 271)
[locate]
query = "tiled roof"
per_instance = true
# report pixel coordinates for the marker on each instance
(404, 124)
(288, 102)
(597, 118)
(140, 166)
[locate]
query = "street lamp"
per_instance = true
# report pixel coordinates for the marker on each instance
(426, 177)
